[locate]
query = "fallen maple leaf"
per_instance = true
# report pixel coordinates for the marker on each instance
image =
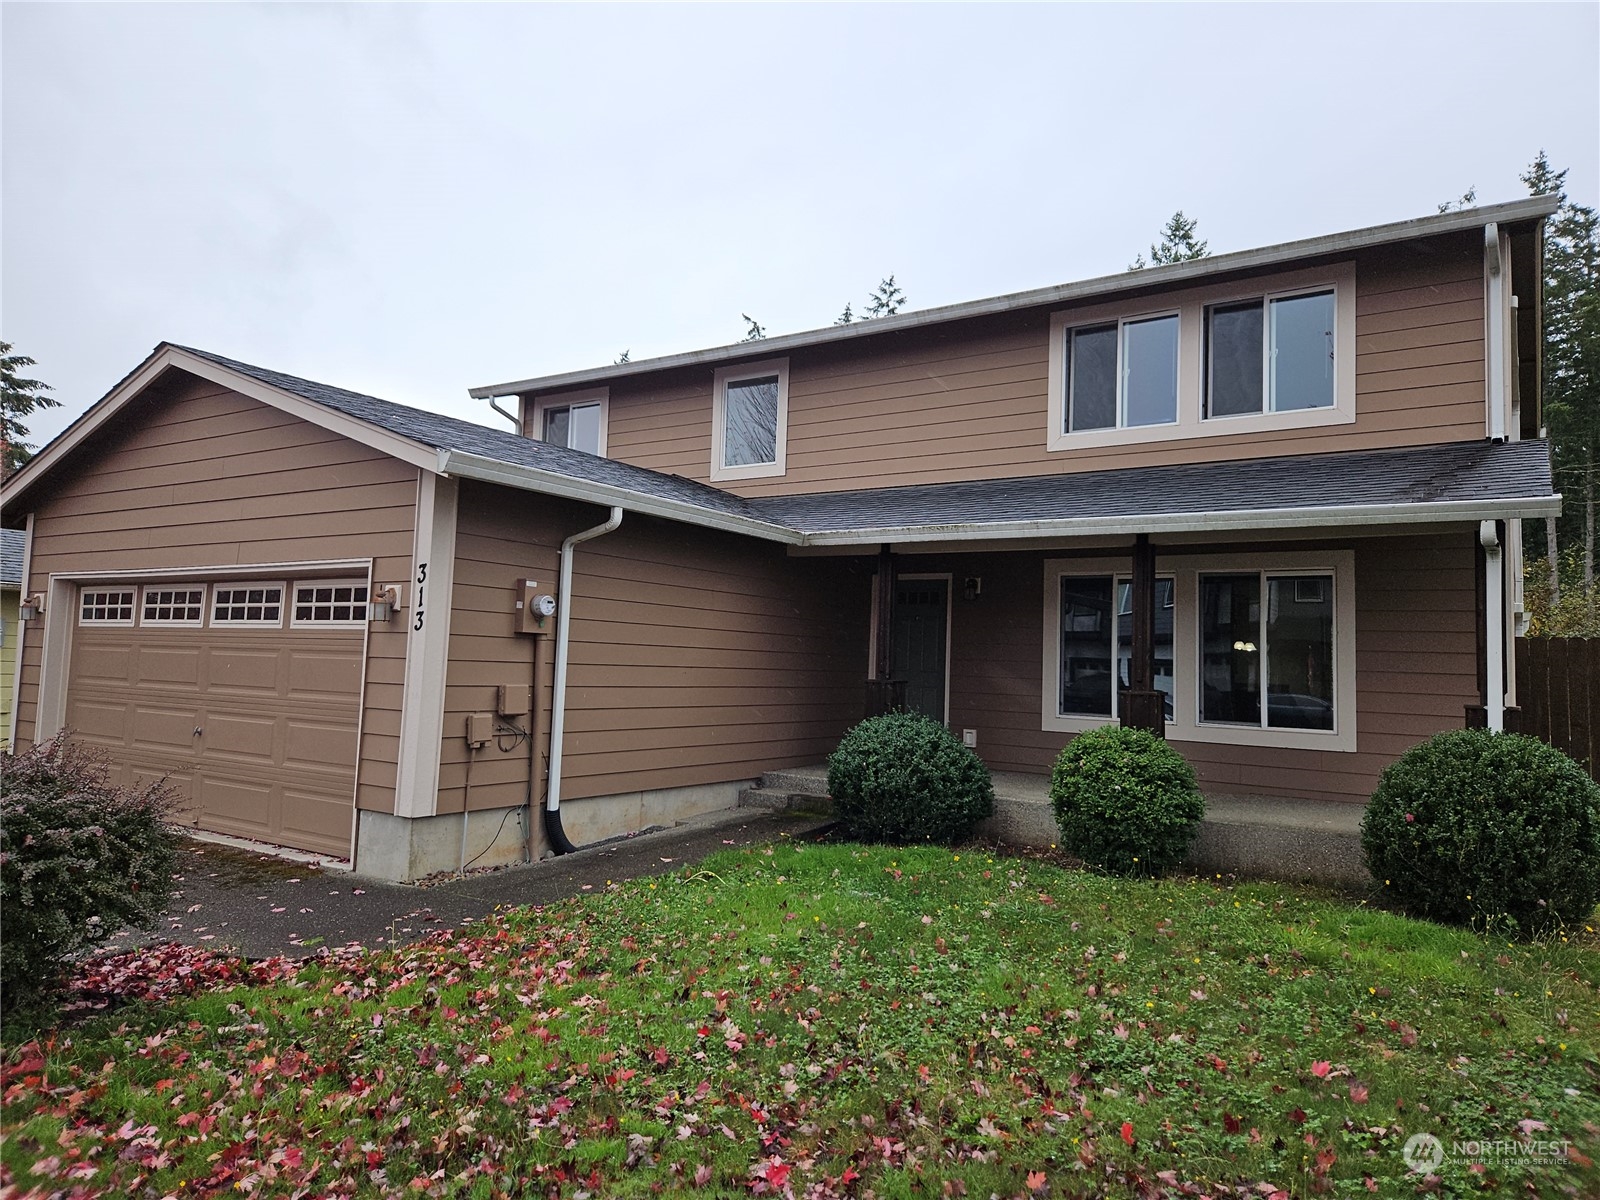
(1127, 1132)
(1321, 1069)
(1037, 1182)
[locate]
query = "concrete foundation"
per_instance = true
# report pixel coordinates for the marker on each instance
(408, 848)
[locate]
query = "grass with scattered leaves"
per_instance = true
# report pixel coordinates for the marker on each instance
(826, 1021)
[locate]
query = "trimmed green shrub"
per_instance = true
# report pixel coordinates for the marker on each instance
(903, 777)
(1125, 801)
(1486, 829)
(79, 860)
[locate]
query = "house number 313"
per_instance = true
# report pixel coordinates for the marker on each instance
(422, 578)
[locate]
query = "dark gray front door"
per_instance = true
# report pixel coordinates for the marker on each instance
(921, 618)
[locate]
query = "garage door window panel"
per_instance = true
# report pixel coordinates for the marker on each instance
(173, 606)
(248, 605)
(329, 603)
(106, 606)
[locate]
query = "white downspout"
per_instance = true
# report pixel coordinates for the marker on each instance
(1495, 356)
(1494, 627)
(558, 702)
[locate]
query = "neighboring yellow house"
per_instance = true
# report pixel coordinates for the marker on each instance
(11, 541)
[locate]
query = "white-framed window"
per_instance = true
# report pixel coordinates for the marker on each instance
(173, 604)
(1122, 374)
(1095, 660)
(1256, 649)
(320, 603)
(1272, 353)
(576, 420)
(749, 420)
(105, 606)
(252, 603)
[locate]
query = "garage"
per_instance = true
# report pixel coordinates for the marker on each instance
(244, 693)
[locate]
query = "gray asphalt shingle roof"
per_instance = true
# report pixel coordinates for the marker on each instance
(1453, 472)
(11, 542)
(451, 433)
(1457, 471)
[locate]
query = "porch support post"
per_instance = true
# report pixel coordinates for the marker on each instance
(884, 692)
(1142, 706)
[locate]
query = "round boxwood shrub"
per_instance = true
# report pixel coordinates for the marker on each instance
(79, 860)
(904, 777)
(1486, 829)
(1125, 801)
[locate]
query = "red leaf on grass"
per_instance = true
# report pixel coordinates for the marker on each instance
(1127, 1132)
(1321, 1069)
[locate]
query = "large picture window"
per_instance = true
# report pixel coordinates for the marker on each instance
(1266, 647)
(1122, 375)
(1097, 643)
(750, 408)
(1275, 354)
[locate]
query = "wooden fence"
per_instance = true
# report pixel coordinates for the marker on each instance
(1558, 690)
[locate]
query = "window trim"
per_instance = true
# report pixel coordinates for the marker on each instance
(1191, 305)
(174, 586)
(357, 622)
(595, 395)
(223, 585)
(1185, 571)
(1266, 298)
(103, 622)
(720, 379)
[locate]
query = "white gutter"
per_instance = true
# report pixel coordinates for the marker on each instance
(1495, 332)
(1200, 522)
(1494, 627)
(1527, 209)
(516, 421)
(552, 483)
(558, 704)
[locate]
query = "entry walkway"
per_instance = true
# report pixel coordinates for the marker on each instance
(225, 898)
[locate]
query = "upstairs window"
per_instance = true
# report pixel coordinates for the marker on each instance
(1274, 354)
(1122, 375)
(576, 420)
(750, 415)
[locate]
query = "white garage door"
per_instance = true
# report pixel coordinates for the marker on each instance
(246, 695)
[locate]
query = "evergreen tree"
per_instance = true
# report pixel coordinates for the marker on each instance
(756, 332)
(1571, 371)
(846, 316)
(1468, 199)
(1178, 244)
(19, 398)
(625, 357)
(887, 300)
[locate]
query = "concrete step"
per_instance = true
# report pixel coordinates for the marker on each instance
(781, 800)
(801, 782)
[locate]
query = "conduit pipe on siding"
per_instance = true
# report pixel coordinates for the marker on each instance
(559, 842)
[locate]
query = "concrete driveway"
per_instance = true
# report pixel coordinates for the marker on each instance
(255, 905)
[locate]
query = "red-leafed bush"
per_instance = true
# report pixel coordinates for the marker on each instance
(79, 859)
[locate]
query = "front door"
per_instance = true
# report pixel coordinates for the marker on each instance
(921, 636)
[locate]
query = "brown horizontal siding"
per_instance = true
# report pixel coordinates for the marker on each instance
(1415, 668)
(969, 401)
(697, 657)
(192, 474)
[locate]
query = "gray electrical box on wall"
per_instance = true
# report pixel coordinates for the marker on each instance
(513, 699)
(480, 729)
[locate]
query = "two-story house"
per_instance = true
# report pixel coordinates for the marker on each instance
(1267, 503)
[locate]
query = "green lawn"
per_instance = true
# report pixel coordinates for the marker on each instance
(838, 1021)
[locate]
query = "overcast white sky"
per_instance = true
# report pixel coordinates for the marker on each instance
(411, 200)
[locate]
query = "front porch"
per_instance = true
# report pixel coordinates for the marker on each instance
(1264, 836)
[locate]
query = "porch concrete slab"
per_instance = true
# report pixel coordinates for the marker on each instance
(226, 898)
(1266, 836)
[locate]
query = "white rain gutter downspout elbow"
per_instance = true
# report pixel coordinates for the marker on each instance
(559, 842)
(1495, 356)
(1494, 627)
(516, 421)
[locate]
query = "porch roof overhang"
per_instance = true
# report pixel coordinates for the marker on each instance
(1460, 481)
